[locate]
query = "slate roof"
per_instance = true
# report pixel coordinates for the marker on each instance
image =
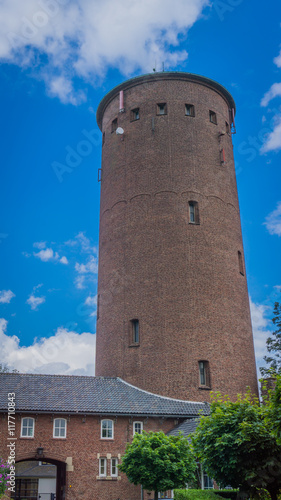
(186, 428)
(89, 395)
(33, 469)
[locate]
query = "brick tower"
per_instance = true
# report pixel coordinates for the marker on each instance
(173, 309)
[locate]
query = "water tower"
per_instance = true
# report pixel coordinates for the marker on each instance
(173, 309)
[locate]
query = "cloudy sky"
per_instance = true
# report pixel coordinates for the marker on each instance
(58, 59)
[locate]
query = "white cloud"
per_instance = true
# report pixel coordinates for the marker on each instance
(64, 260)
(48, 254)
(86, 272)
(274, 91)
(45, 255)
(35, 302)
(86, 37)
(277, 60)
(90, 267)
(83, 241)
(40, 245)
(273, 221)
(6, 296)
(65, 352)
(273, 140)
(91, 301)
(261, 330)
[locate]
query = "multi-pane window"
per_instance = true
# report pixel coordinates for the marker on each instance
(59, 430)
(193, 212)
(102, 467)
(240, 263)
(207, 482)
(114, 468)
(27, 427)
(27, 488)
(162, 108)
(204, 373)
(114, 125)
(213, 117)
(189, 110)
(107, 429)
(135, 114)
(138, 427)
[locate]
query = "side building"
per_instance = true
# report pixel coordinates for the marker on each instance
(82, 426)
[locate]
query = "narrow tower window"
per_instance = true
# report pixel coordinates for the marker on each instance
(103, 138)
(227, 129)
(204, 374)
(193, 212)
(135, 114)
(213, 117)
(240, 263)
(189, 110)
(114, 125)
(162, 108)
(135, 331)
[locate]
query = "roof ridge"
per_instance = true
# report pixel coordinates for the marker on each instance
(162, 397)
(57, 375)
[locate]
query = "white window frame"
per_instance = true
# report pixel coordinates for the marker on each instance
(203, 474)
(60, 428)
(115, 466)
(104, 461)
(27, 427)
(107, 428)
(134, 430)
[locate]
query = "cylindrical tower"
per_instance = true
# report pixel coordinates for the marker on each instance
(173, 309)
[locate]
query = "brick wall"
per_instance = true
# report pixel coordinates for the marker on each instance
(181, 281)
(81, 449)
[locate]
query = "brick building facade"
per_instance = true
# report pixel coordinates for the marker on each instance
(82, 425)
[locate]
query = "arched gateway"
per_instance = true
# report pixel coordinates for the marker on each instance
(43, 459)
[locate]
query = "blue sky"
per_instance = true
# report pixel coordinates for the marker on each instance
(58, 59)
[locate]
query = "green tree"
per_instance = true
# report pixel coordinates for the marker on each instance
(236, 447)
(273, 409)
(273, 345)
(159, 462)
(6, 369)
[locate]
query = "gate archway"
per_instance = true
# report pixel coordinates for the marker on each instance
(60, 474)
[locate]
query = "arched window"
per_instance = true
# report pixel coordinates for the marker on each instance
(193, 212)
(107, 429)
(59, 429)
(27, 427)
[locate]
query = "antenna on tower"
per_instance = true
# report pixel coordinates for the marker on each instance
(163, 66)
(154, 69)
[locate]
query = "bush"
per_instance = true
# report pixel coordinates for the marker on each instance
(232, 494)
(198, 495)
